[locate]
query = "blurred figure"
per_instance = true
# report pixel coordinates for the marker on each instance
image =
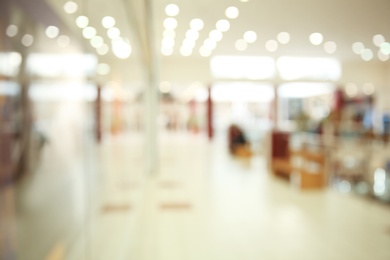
(238, 144)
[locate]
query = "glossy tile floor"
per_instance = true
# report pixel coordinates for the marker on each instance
(94, 202)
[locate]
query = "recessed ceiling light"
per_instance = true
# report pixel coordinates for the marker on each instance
(12, 30)
(385, 48)
(232, 12)
(108, 22)
(244, 1)
(196, 24)
(330, 47)
(223, 25)
(271, 45)
(103, 49)
(97, 41)
(382, 56)
(367, 55)
(241, 45)
(368, 89)
(63, 41)
(82, 21)
(103, 69)
(378, 40)
(165, 87)
(216, 35)
(172, 10)
(170, 23)
(27, 40)
(283, 37)
(185, 51)
(70, 7)
(188, 44)
(316, 38)
(121, 49)
(113, 33)
(52, 32)
(192, 34)
(358, 47)
(250, 36)
(89, 32)
(167, 43)
(210, 44)
(351, 89)
(204, 52)
(166, 51)
(169, 34)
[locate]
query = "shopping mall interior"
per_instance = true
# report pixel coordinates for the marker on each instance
(207, 130)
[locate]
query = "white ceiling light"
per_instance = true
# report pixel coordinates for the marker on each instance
(170, 23)
(89, 32)
(52, 32)
(166, 51)
(271, 45)
(210, 44)
(82, 21)
(70, 7)
(316, 38)
(283, 37)
(121, 48)
(385, 48)
(108, 22)
(63, 41)
(382, 56)
(188, 43)
(12, 30)
(223, 25)
(358, 47)
(168, 43)
(330, 47)
(351, 89)
(172, 10)
(367, 55)
(97, 41)
(244, 1)
(368, 89)
(250, 36)
(169, 34)
(378, 40)
(103, 69)
(165, 87)
(103, 49)
(241, 45)
(232, 12)
(113, 33)
(185, 51)
(204, 52)
(196, 24)
(192, 34)
(27, 40)
(216, 35)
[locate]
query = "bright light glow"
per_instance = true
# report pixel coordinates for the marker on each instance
(242, 67)
(216, 35)
(232, 12)
(63, 41)
(242, 92)
(210, 44)
(103, 69)
(166, 51)
(293, 68)
(121, 49)
(169, 34)
(204, 52)
(344, 186)
(250, 36)
(316, 38)
(27, 40)
(52, 32)
(223, 25)
(271, 45)
(379, 181)
(113, 33)
(385, 48)
(172, 10)
(330, 47)
(283, 37)
(382, 56)
(185, 51)
(12, 30)
(59, 91)
(56, 65)
(192, 34)
(304, 89)
(167, 43)
(368, 89)
(70, 7)
(188, 44)
(10, 63)
(170, 23)
(351, 90)
(241, 45)
(108, 22)
(358, 47)
(89, 32)
(196, 24)
(165, 87)
(82, 21)
(103, 49)
(378, 40)
(97, 41)
(367, 55)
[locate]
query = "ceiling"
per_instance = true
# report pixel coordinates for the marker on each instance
(340, 21)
